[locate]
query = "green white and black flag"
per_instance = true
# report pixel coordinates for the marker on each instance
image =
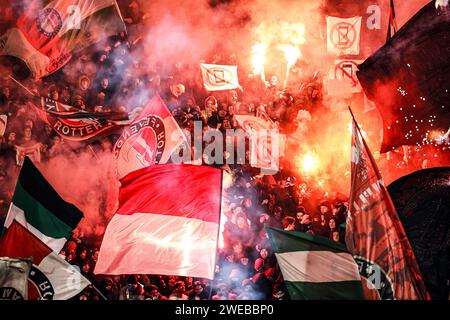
(315, 268)
(40, 209)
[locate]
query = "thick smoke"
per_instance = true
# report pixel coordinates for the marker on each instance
(86, 179)
(180, 34)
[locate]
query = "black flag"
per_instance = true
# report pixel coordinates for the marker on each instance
(422, 201)
(408, 80)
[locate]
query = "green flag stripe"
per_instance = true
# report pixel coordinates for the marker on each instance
(286, 241)
(39, 216)
(38, 188)
(343, 290)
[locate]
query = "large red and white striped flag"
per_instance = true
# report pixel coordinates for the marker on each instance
(167, 223)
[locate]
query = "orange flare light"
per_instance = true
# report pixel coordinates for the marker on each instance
(309, 163)
(291, 54)
(258, 57)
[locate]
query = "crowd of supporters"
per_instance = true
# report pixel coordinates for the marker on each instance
(111, 78)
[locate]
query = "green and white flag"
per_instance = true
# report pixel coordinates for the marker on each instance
(40, 209)
(315, 268)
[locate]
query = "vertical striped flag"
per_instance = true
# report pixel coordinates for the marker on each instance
(375, 234)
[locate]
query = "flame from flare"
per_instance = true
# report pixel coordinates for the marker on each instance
(309, 163)
(259, 57)
(291, 54)
(286, 37)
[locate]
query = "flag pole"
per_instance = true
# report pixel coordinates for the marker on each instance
(99, 292)
(93, 151)
(22, 86)
(411, 261)
(213, 281)
(372, 160)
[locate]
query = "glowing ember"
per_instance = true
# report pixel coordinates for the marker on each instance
(439, 137)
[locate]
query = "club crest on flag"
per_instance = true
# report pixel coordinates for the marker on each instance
(72, 127)
(39, 286)
(144, 140)
(375, 278)
(42, 36)
(150, 139)
(8, 293)
(49, 22)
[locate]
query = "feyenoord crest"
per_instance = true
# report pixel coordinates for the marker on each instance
(376, 278)
(144, 140)
(8, 293)
(39, 287)
(49, 22)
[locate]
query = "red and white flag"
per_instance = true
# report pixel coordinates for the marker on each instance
(167, 223)
(49, 31)
(375, 234)
(150, 139)
(51, 277)
(75, 124)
